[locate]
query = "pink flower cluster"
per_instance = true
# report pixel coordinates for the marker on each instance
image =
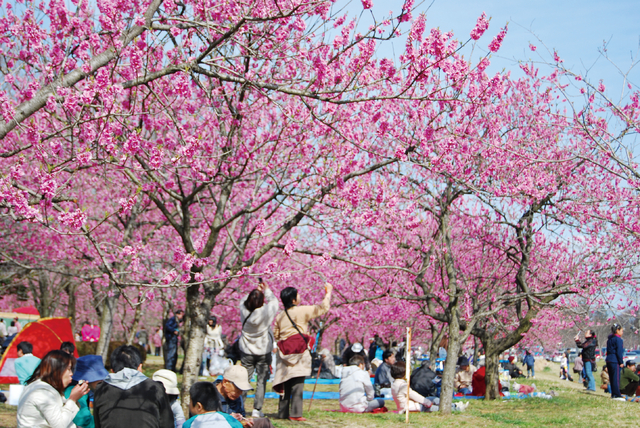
(481, 26)
(74, 219)
(495, 44)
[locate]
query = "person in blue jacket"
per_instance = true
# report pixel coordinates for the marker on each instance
(529, 362)
(615, 353)
(26, 363)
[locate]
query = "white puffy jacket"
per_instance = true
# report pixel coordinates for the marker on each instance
(356, 390)
(41, 406)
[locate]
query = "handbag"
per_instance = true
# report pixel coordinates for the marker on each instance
(234, 349)
(306, 338)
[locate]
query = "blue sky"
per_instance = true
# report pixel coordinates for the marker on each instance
(576, 29)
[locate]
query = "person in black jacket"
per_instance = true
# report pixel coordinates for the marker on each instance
(127, 398)
(615, 353)
(355, 349)
(514, 371)
(588, 356)
(171, 332)
(424, 382)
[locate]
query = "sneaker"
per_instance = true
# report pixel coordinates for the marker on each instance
(436, 401)
(619, 399)
(434, 408)
(257, 414)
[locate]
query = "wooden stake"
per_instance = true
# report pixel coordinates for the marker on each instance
(408, 360)
(316, 384)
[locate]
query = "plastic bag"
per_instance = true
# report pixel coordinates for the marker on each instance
(218, 365)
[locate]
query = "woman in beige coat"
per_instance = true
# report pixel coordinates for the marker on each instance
(293, 359)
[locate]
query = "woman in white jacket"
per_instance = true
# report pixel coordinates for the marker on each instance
(42, 403)
(257, 312)
(356, 390)
(415, 402)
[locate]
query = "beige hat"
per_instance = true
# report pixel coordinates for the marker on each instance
(239, 376)
(169, 380)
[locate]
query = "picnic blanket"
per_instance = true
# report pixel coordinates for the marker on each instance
(312, 381)
(319, 395)
(507, 397)
(330, 395)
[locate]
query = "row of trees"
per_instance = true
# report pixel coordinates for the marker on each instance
(166, 153)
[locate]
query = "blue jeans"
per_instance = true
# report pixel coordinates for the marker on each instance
(530, 371)
(465, 391)
(171, 359)
(588, 371)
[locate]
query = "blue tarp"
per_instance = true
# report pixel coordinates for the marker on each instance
(327, 395)
(320, 395)
(325, 381)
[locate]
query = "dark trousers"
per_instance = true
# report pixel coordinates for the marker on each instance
(171, 358)
(630, 389)
(259, 363)
(293, 389)
(614, 378)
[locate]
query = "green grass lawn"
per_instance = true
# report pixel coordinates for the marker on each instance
(572, 408)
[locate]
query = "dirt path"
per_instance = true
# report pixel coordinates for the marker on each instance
(553, 375)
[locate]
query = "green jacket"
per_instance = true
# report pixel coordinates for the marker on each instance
(84, 418)
(627, 376)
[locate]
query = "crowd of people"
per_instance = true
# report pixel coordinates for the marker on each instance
(62, 391)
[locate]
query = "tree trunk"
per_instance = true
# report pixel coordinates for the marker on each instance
(41, 296)
(193, 354)
(72, 287)
(435, 345)
(106, 324)
(475, 351)
(492, 379)
(449, 372)
(136, 320)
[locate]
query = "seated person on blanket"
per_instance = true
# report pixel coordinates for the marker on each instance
(514, 371)
(205, 406)
(355, 349)
(464, 375)
(383, 377)
(415, 402)
(629, 379)
(235, 381)
(479, 383)
(356, 391)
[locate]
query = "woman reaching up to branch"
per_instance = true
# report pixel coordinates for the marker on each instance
(293, 360)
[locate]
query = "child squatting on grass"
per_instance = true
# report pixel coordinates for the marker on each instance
(415, 401)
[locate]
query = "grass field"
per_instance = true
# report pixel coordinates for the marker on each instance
(572, 408)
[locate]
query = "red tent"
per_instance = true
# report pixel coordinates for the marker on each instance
(29, 310)
(45, 334)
